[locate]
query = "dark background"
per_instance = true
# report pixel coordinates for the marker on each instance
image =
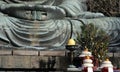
(108, 7)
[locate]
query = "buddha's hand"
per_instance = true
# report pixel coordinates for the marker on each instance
(53, 12)
(5, 7)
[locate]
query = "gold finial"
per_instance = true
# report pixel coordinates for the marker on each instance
(86, 49)
(71, 42)
(107, 59)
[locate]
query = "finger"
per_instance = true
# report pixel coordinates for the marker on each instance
(44, 7)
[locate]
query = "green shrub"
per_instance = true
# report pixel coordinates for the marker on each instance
(95, 39)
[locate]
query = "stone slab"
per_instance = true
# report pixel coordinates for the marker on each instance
(52, 53)
(42, 53)
(74, 69)
(34, 61)
(25, 52)
(5, 52)
(113, 54)
(12, 61)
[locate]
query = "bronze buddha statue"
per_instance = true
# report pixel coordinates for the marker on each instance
(49, 22)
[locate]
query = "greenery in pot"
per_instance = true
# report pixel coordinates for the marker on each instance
(95, 39)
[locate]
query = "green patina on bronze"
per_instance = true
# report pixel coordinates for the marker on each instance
(29, 23)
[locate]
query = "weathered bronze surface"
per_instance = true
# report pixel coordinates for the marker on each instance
(47, 23)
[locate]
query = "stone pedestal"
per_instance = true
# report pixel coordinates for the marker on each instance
(32, 59)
